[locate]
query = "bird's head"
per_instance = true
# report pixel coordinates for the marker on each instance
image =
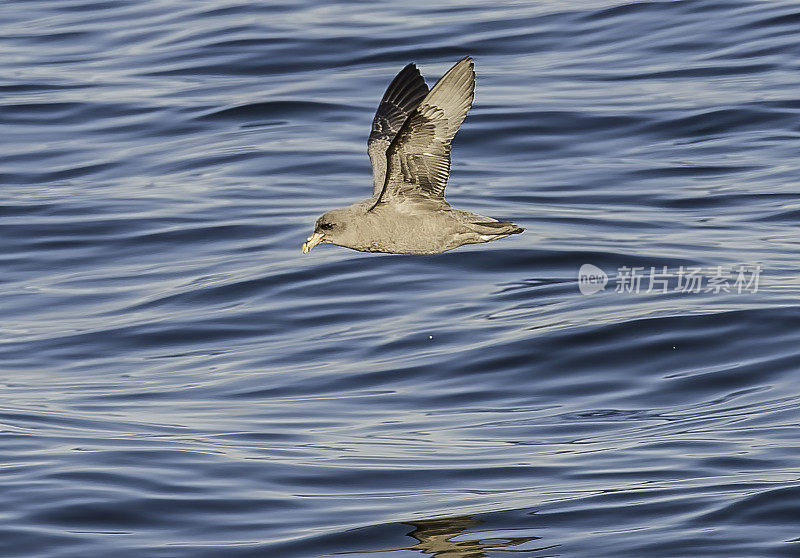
(331, 228)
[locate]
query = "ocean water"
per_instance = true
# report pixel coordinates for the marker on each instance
(177, 380)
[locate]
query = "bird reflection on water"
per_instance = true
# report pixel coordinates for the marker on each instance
(435, 537)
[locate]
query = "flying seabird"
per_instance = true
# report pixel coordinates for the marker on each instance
(409, 147)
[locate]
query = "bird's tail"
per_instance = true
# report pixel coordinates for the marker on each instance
(496, 229)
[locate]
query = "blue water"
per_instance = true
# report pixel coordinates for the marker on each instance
(179, 381)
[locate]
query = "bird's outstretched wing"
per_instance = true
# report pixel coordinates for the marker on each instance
(419, 156)
(402, 96)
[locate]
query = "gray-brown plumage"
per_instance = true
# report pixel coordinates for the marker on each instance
(409, 147)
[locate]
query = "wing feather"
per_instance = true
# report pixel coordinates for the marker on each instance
(419, 155)
(402, 97)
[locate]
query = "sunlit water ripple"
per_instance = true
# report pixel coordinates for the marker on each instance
(179, 381)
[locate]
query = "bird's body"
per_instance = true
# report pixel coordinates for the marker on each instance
(409, 148)
(416, 227)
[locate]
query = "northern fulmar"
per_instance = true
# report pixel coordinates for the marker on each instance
(409, 147)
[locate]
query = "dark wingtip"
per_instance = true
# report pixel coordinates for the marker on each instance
(406, 86)
(410, 67)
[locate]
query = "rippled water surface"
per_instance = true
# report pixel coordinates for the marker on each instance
(179, 381)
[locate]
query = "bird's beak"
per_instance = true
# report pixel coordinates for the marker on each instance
(312, 241)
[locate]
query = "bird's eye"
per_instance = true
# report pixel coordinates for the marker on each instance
(326, 226)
